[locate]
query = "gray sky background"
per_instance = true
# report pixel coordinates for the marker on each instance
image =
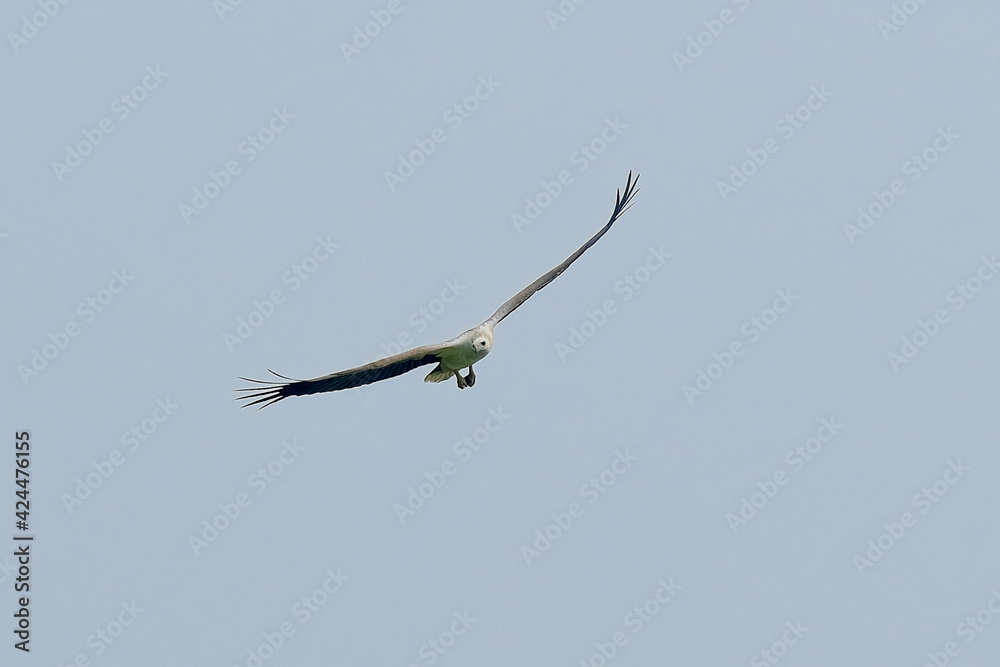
(755, 423)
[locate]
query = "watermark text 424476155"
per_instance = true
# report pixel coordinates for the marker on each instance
(22, 541)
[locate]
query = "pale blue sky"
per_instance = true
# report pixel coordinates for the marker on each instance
(756, 422)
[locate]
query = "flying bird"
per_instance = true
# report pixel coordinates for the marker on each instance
(450, 356)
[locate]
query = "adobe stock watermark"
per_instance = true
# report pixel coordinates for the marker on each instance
(968, 630)
(8, 568)
(629, 284)
(914, 168)
(928, 329)
(435, 647)
(48, 9)
(593, 490)
(635, 620)
(248, 149)
(438, 476)
(421, 318)
(87, 310)
(137, 436)
(752, 329)
(779, 647)
(786, 126)
(304, 609)
(121, 108)
(260, 481)
(561, 12)
(105, 637)
(363, 35)
(899, 16)
(223, 7)
(581, 158)
(924, 500)
(796, 458)
(295, 276)
(703, 39)
(454, 117)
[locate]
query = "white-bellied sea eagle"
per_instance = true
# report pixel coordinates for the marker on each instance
(450, 356)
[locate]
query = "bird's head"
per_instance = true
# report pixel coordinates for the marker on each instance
(482, 341)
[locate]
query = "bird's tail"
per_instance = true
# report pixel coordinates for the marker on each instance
(439, 374)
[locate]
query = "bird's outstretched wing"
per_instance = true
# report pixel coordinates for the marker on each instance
(383, 369)
(622, 202)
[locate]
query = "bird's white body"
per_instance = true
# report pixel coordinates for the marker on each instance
(462, 352)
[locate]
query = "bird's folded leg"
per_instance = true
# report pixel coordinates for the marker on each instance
(462, 384)
(470, 379)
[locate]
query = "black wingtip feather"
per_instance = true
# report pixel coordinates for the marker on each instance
(271, 393)
(623, 199)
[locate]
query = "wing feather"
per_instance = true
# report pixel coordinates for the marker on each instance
(622, 202)
(382, 369)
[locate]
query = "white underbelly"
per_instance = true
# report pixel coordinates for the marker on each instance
(463, 357)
